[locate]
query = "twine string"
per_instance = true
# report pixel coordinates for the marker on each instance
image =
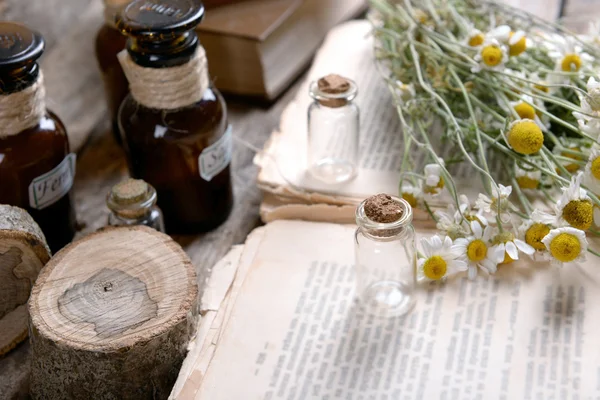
(23, 109)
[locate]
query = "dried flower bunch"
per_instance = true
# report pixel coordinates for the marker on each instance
(505, 89)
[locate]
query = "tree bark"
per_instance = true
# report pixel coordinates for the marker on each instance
(23, 253)
(111, 317)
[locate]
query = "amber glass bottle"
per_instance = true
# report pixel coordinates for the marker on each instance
(109, 42)
(36, 168)
(174, 123)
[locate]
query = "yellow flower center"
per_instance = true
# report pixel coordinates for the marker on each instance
(571, 63)
(542, 88)
(525, 137)
(579, 214)
(595, 169)
(477, 250)
(435, 268)
(565, 247)
(491, 55)
(525, 111)
(476, 40)
(519, 47)
(526, 182)
(535, 234)
(435, 189)
(411, 199)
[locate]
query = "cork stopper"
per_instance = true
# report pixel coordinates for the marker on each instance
(130, 191)
(383, 208)
(334, 85)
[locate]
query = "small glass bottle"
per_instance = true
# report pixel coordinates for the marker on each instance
(109, 42)
(174, 123)
(36, 167)
(133, 202)
(333, 130)
(385, 253)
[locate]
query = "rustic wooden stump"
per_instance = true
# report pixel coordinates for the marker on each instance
(23, 253)
(111, 317)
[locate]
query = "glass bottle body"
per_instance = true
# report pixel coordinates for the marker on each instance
(386, 260)
(165, 147)
(109, 42)
(333, 136)
(28, 156)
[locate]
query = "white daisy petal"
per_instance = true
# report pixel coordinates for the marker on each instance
(524, 247)
(512, 251)
(472, 272)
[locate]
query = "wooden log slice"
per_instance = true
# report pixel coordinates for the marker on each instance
(111, 317)
(23, 253)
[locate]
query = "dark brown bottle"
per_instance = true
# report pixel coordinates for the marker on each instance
(109, 43)
(182, 148)
(36, 168)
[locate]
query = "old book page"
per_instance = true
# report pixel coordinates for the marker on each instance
(295, 331)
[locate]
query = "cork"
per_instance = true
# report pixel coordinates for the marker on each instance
(130, 191)
(383, 208)
(333, 84)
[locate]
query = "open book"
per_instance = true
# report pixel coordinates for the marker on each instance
(281, 322)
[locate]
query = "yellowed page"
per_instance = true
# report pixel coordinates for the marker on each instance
(295, 331)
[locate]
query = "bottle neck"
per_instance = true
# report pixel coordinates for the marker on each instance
(385, 231)
(165, 53)
(22, 100)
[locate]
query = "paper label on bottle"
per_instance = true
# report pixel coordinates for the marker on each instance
(50, 187)
(216, 157)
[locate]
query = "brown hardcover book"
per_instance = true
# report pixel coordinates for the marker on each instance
(258, 47)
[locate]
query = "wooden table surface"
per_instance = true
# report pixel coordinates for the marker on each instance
(75, 93)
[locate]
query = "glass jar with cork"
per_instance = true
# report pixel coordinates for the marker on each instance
(385, 252)
(174, 123)
(333, 130)
(36, 167)
(133, 202)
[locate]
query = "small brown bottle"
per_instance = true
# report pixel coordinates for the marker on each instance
(36, 168)
(109, 42)
(174, 123)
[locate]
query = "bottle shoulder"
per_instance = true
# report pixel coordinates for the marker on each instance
(206, 117)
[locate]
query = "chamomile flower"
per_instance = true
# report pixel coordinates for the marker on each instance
(591, 174)
(474, 38)
(541, 84)
(589, 120)
(510, 246)
(574, 207)
(477, 251)
(529, 178)
(570, 166)
(517, 43)
(566, 246)
(403, 92)
(413, 195)
(457, 223)
(533, 230)
(500, 33)
(524, 107)
(498, 204)
(491, 55)
(525, 136)
(441, 259)
(434, 181)
(568, 54)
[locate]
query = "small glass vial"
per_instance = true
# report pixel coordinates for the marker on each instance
(333, 130)
(133, 202)
(36, 168)
(385, 256)
(173, 122)
(109, 42)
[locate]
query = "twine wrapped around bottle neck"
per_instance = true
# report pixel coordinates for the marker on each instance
(167, 88)
(22, 110)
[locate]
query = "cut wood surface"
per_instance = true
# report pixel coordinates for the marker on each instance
(23, 253)
(111, 317)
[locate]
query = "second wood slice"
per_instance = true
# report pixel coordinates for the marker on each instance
(111, 317)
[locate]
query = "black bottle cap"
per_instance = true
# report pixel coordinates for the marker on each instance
(161, 32)
(19, 46)
(160, 17)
